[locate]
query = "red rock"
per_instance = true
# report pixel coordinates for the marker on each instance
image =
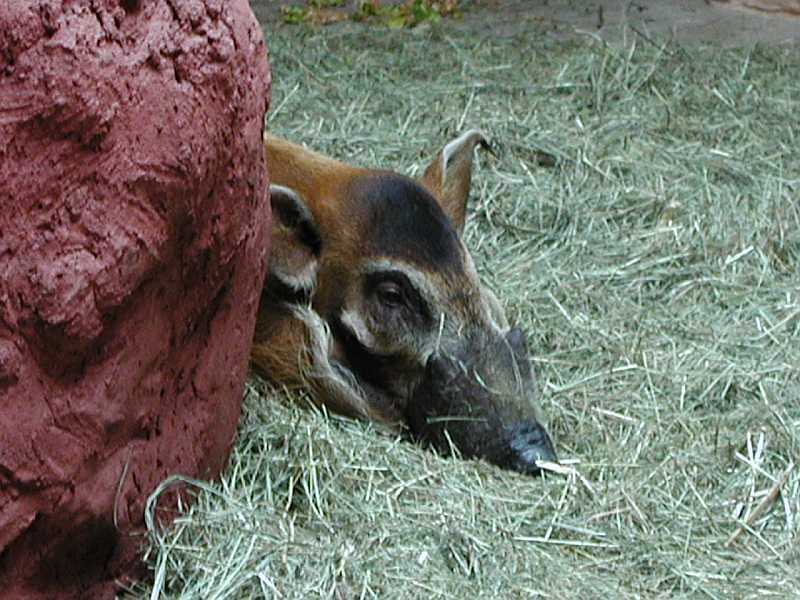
(133, 243)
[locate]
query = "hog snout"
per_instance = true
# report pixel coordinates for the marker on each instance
(481, 398)
(529, 443)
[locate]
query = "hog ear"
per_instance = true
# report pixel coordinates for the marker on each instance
(449, 176)
(296, 243)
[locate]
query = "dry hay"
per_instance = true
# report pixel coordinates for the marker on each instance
(641, 223)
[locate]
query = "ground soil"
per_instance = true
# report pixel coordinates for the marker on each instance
(688, 21)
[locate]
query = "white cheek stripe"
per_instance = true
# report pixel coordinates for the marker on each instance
(358, 328)
(334, 380)
(304, 281)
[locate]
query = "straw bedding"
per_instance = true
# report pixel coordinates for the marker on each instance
(641, 222)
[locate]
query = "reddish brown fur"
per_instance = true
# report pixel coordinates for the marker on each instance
(452, 190)
(317, 178)
(279, 357)
(374, 305)
(280, 348)
(281, 342)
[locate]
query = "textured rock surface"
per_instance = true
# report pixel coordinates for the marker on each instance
(133, 239)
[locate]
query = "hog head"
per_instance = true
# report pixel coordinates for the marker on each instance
(374, 305)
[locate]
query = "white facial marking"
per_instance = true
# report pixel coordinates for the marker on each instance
(353, 321)
(304, 280)
(337, 380)
(415, 276)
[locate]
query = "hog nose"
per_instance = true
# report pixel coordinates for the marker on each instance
(530, 443)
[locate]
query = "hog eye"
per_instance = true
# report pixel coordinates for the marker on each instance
(392, 291)
(390, 294)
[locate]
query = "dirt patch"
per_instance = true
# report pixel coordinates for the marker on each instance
(790, 8)
(728, 23)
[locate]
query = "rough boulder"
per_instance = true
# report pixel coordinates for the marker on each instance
(133, 242)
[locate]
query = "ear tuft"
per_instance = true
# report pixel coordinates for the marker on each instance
(461, 148)
(296, 242)
(449, 176)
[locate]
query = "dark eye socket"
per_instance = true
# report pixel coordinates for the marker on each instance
(390, 294)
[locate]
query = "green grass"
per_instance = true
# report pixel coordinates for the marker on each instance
(655, 269)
